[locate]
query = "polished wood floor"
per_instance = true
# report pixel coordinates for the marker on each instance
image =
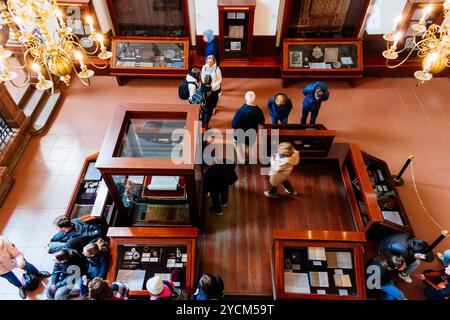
(238, 244)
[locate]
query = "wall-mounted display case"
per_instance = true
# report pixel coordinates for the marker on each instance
(147, 161)
(323, 265)
(75, 15)
(322, 58)
(150, 57)
(236, 19)
(138, 254)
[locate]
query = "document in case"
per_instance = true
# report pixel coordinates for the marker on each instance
(317, 65)
(136, 179)
(236, 32)
(231, 15)
(163, 183)
(346, 60)
(319, 279)
(170, 263)
(317, 254)
(331, 54)
(296, 283)
(342, 280)
(235, 46)
(133, 278)
(339, 260)
(164, 276)
(393, 216)
(240, 15)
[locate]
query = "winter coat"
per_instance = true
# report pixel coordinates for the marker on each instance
(278, 112)
(9, 256)
(191, 86)
(212, 50)
(216, 76)
(248, 117)
(215, 178)
(61, 271)
(281, 167)
(80, 230)
(97, 266)
(310, 100)
(398, 244)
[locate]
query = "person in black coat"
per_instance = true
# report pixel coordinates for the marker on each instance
(412, 249)
(216, 181)
(280, 107)
(382, 270)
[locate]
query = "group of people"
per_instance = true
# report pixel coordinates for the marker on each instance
(399, 255)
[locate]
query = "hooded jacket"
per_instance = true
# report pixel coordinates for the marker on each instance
(278, 112)
(216, 76)
(310, 100)
(281, 167)
(398, 244)
(191, 86)
(9, 256)
(61, 271)
(80, 230)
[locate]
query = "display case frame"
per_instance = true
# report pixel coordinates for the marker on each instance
(338, 72)
(149, 71)
(155, 237)
(329, 239)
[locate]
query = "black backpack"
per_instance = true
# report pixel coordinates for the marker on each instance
(30, 282)
(197, 98)
(183, 89)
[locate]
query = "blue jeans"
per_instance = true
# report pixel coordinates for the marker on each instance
(282, 120)
(306, 111)
(11, 277)
(392, 292)
(62, 293)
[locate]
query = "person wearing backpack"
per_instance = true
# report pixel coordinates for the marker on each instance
(12, 258)
(211, 68)
(160, 289)
(217, 180)
(190, 85)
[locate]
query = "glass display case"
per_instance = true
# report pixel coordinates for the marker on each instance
(150, 56)
(147, 159)
(319, 265)
(138, 255)
(75, 14)
(322, 58)
(150, 18)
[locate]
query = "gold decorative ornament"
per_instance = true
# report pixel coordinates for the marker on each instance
(50, 47)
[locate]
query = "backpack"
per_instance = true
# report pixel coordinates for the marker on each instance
(30, 282)
(183, 89)
(197, 98)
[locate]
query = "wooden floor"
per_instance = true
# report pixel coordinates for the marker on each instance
(238, 245)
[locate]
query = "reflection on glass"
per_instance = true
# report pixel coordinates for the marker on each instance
(149, 55)
(154, 199)
(323, 56)
(152, 138)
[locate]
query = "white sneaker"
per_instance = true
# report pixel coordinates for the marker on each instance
(405, 277)
(293, 193)
(440, 256)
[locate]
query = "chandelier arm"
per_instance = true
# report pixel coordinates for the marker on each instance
(99, 67)
(402, 62)
(27, 81)
(88, 53)
(49, 75)
(20, 67)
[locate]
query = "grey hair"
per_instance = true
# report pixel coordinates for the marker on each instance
(250, 97)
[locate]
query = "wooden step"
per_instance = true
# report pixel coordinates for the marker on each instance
(46, 112)
(33, 103)
(21, 95)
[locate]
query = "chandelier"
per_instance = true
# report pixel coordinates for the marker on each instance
(431, 44)
(50, 48)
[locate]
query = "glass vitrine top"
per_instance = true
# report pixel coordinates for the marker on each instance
(153, 138)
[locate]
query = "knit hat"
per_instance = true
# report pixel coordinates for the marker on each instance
(446, 259)
(155, 286)
(209, 35)
(286, 149)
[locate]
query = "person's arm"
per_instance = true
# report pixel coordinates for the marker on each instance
(289, 106)
(271, 107)
(235, 121)
(58, 237)
(218, 81)
(308, 89)
(262, 118)
(192, 89)
(15, 253)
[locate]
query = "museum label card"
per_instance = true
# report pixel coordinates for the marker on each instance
(154, 259)
(393, 216)
(343, 292)
(231, 15)
(296, 267)
(346, 60)
(240, 15)
(338, 271)
(317, 65)
(184, 257)
(178, 265)
(317, 263)
(176, 284)
(321, 292)
(317, 254)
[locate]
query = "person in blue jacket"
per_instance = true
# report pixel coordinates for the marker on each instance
(315, 94)
(97, 262)
(209, 288)
(437, 283)
(212, 48)
(280, 107)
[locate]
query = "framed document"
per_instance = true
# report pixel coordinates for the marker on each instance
(235, 46)
(296, 59)
(236, 32)
(331, 54)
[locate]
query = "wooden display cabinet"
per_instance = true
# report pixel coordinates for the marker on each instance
(149, 57)
(148, 163)
(236, 19)
(321, 59)
(137, 254)
(319, 265)
(379, 204)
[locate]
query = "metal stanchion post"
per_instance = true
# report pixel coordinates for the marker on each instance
(398, 178)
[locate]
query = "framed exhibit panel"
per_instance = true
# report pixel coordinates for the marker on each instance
(75, 14)
(322, 265)
(150, 18)
(148, 162)
(322, 58)
(150, 57)
(379, 204)
(313, 141)
(138, 254)
(323, 18)
(236, 19)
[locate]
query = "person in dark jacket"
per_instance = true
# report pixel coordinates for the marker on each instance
(216, 181)
(437, 283)
(206, 107)
(97, 257)
(384, 269)
(315, 94)
(248, 117)
(209, 288)
(410, 248)
(72, 234)
(68, 266)
(212, 49)
(280, 107)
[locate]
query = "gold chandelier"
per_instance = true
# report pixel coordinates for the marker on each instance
(432, 44)
(50, 47)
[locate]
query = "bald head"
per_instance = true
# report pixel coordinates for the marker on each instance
(250, 98)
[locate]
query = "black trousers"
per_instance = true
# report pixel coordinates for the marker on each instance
(218, 199)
